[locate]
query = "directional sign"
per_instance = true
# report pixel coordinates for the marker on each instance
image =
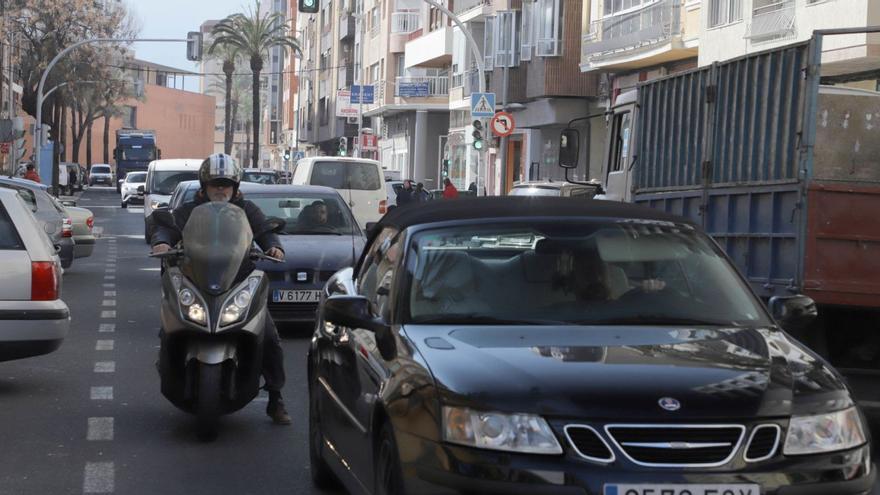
(356, 94)
(502, 124)
(413, 89)
(482, 105)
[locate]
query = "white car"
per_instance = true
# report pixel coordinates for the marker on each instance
(101, 173)
(359, 181)
(33, 318)
(162, 178)
(129, 188)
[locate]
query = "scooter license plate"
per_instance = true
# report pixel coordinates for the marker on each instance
(640, 489)
(296, 296)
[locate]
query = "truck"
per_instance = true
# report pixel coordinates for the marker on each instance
(135, 149)
(777, 156)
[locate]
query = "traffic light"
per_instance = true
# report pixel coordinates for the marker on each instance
(194, 46)
(286, 154)
(478, 135)
(308, 6)
(343, 146)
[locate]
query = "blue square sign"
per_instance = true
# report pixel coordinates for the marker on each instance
(482, 104)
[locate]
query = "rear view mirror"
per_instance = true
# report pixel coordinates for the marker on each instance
(140, 190)
(162, 205)
(354, 312)
(569, 141)
(793, 312)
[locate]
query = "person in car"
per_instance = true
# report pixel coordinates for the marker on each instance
(405, 194)
(220, 177)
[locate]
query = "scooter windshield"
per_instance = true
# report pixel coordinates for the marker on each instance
(216, 239)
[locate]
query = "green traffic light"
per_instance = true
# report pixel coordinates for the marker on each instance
(478, 144)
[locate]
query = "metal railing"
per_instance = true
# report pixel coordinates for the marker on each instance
(460, 6)
(631, 31)
(405, 22)
(437, 85)
(772, 21)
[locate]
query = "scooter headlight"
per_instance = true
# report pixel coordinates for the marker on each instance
(236, 308)
(186, 297)
(197, 314)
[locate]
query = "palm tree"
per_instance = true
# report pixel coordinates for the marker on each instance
(252, 36)
(228, 54)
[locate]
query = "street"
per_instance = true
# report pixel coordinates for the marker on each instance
(89, 418)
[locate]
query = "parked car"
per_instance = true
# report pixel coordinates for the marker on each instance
(101, 173)
(392, 187)
(53, 218)
(260, 176)
(320, 237)
(358, 180)
(551, 345)
(76, 178)
(129, 188)
(82, 223)
(162, 177)
(33, 318)
(552, 188)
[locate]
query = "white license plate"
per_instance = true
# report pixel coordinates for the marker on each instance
(737, 489)
(296, 296)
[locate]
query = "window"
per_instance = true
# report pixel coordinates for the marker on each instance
(374, 21)
(723, 12)
(348, 175)
(29, 198)
(489, 43)
(527, 31)
(436, 19)
(377, 272)
(549, 28)
(9, 239)
(129, 117)
(401, 65)
(374, 73)
(323, 113)
(622, 129)
(505, 39)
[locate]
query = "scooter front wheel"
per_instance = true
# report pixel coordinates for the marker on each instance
(208, 393)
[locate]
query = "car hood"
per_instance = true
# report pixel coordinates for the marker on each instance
(324, 253)
(624, 371)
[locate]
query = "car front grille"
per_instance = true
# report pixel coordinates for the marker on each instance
(293, 311)
(588, 443)
(763, 443)
(677, 445)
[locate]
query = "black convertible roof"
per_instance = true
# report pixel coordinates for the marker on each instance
(496, 207)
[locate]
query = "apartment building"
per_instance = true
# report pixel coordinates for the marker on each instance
(289, 86)
(271, 154)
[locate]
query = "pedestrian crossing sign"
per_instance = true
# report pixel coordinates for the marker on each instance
(482, 105)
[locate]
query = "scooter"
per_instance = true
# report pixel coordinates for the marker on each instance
(213, 319)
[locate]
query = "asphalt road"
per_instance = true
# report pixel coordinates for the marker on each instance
(89, 418)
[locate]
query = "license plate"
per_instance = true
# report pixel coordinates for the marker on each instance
(737, 489)
(296, 296)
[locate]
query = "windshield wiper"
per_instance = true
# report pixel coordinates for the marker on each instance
(655, 320)
(480, 319)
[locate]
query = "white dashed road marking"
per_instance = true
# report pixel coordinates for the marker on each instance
(102, 393)
(108, 302)
(107, 327)
(108, 314)
(109, 293)
(100, 429)
(104, 345)
(105, 367)
(99, 477)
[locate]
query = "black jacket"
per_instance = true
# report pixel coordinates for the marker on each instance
(267, 241)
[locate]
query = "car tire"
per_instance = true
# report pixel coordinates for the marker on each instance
(146, 232)
(66, 263)
(322, 475)
(124, 204)
(389, 478)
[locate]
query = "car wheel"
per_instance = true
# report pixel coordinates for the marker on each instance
(146, 233)
(322, 476)
(389, 479)
(124, 204)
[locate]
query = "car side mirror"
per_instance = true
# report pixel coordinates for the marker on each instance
(371, 226)
(569, 141)
(140, 190)
(354, 312)
(162, 205)
(57, 248)
(793, 312)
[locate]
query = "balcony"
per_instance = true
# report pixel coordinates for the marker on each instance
(346, 27)
(437, 86)
(637, 38)
(405, 22)
(772, 22)
(468, 10)
(433, 49)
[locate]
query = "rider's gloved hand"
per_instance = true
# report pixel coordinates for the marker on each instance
(275, 253)
(161, 248)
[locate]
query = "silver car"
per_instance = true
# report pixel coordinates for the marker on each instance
(128, 188)
(53, 218)
(33, 318)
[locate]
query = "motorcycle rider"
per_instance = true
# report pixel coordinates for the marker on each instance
(220, 177)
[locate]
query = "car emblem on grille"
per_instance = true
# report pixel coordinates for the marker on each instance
(670, 404)
(302, 276)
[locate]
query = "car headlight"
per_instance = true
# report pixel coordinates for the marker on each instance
(526, 433)
(829, 432)
(154, 204)
(236, 307)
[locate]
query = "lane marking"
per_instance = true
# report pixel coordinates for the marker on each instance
(108, 314)
(150, 269)
(102, 393)
(135, 210)
(107, 327)
(109, 277)
(100, 429)
(109, 293)
(109, 286)
(105, 367)
(108, 302)
(105, 345)
(99, 477)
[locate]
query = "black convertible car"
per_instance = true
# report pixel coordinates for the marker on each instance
(552, 346)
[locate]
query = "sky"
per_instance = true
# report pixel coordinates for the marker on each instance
(173, 19)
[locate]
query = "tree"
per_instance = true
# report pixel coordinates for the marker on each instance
(228, 55)
(252, 36)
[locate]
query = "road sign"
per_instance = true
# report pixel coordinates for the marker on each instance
(4, 148)
(356, 94)
(344, 106)
(482, 105)
(502, 124)
(413, 89)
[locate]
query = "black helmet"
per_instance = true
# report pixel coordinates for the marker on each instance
(220, 166)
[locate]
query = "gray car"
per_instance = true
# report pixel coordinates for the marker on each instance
(51, 215)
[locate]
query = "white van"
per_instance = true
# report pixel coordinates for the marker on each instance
(360, 182)
(162, 177)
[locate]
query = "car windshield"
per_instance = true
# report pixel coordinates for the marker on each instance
(142, 154)
(347, 175)
(599, 273)
(164, 181)
(534, 191)
(308, 213)
(259, 177)
(100, 169)
(136, 177)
